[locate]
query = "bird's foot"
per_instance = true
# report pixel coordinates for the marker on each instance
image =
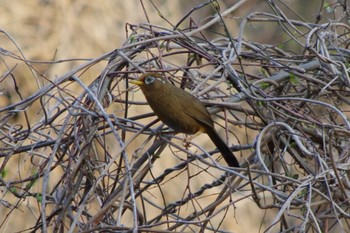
(187, 142)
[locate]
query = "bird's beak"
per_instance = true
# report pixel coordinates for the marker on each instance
(137, 82)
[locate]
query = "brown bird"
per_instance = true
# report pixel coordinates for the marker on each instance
(181, 111)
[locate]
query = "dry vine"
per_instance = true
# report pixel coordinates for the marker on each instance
(94, 166)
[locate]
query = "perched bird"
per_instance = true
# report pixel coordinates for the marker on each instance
(181, 111)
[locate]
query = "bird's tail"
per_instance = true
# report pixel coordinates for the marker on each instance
(225, 151)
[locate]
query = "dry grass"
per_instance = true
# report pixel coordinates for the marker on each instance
(80, 149)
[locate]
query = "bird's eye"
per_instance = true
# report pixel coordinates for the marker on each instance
(149, 79)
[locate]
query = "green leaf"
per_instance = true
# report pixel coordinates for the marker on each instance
(3, 173)
(264, 72)
(293, 144)
(264, 85)
(39, 197)
(132, 39)
(13, 190)
(260, 103)
(216, 5)
(293, 79)
(162, 45)
(328, 7)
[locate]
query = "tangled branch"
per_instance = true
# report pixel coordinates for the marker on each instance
(89, 161)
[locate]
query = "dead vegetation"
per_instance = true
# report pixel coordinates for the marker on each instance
(94, 158)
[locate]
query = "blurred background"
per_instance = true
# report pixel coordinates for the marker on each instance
(47, 30)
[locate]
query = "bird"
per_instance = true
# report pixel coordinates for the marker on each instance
(181, 111)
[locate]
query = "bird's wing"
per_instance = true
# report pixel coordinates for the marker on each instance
(199, 113)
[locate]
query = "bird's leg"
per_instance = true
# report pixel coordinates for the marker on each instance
(186, 141)
(189, 138)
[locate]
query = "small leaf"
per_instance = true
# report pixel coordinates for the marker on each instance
(293, 144)
(216, 5)
(13, 190)
(265, 73)
(293, 79)
(39, 197)
(328, 7)
(3, 173)
(264, 85)
(260, 103)
(132, 39)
